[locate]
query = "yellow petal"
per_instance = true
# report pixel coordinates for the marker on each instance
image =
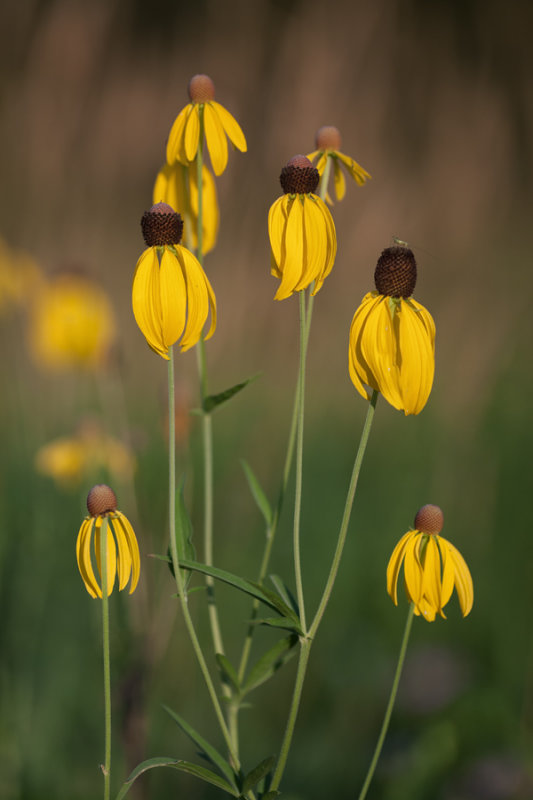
(83, 555)
(330, 249)
(448, 571)
(216, 139)
(291, 260)
(133, 549)
(169, 187)
(314, 243)
(357, 172)
(379, 349)
(277, 219)
(175, 144)
(431, 581)
(313, 155)
(394, 566)
(463, 580)
(123, 553)
(231, 126)
(416, 358)
(340, 183)
(173, 298)
(413, 570)
(210, 208)
(111, 554)
(146, 300)
(197, 297)
(360, 371)
(192, 134)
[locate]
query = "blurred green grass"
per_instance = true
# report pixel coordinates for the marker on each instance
(434, 102)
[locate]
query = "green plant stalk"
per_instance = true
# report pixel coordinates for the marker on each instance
(299, 465)
(207, 428)
(106, 767)
(341, 539)
(176, 566)
(390, 705)
(307, 641)
(323, 185)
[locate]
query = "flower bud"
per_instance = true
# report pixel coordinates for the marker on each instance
(101, 500)
(429, 519)
(395, 273)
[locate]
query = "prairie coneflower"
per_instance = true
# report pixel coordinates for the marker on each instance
(432, 567)
(122, 549)
(203, 113)
(177, 185)
(302, 232)
(392, 337)
(171, 294)
(328, 143)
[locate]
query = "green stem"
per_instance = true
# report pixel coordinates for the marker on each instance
(177, 572)
(106, 768)
(390, 705)
(305, 649)
(346, 515)
(299, 463)
(323, 185)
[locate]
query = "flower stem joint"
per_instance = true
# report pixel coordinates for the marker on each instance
(122, 554)
(392, 337)
(432, 567)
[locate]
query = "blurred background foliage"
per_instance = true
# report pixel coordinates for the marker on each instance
(434, 99)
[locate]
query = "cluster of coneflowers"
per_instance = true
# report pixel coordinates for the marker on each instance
(391, 345)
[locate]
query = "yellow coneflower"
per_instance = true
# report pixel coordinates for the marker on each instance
(171, 294)
(177, 185)
(392, 337)
(301, 229)
(203, 113)
(328, 143)
(123, 557)
(432, 567)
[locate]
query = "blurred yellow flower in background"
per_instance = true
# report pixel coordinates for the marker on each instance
(203, 112)
(432, 567)
(123, 558)
(171, 294)
(302, 234)
(85, 455)
(392, 337)
(72, 324)
(20, 278)
(177, 185)
(328, 143)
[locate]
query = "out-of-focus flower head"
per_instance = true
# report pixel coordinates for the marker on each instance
(203, 115)
(87, 454)
(328, 144)
(392, 337)
(122, 558)
(302, 233)
(20, 278)
(72, 324)
(171, 294)
(177, 185)
(432, 567)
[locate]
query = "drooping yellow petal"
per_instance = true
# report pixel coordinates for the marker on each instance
(394, 566)
(417, 359)
(146, 300)
(210, 216)
(360, 371)
(314, 243)
(340, 183)
(175, 144)
(448, 571)
(192, 134)
(215, 139)
(199, 298)
(413, 570)
(111, 554)
(379, 349)
(173, 298)
(231, 126)
(277, 219)
(123, 553)
(291, 250)
(313, 155)
(83, 556)
(330, 249)
(133, 548)
(463, 580)
(431, 581)
(357, 172)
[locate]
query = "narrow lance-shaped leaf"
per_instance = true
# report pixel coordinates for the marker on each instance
(284, 592)
(228, 673)
(270, 662)
(183, 766)
(258, 493)
(257, 773)
(214, 400)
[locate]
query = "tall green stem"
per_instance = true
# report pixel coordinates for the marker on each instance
(390, 705)
(176, 566)
(299, 464)
(346, 515)
(106, 768)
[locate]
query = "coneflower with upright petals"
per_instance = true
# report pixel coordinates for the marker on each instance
(203, 113)
(392, 337)
(171, 294)
(122, 549)
(302, 233)
(432, 567)
(328, 143)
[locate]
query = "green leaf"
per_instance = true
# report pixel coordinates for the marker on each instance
(257, 493)
(207, 750)
(270, 662)
(215, 400)
(270, 795)
(257, 773)
(184, 766)
(279, 622)
(228, 672)
(279, 604)
(284, 592)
